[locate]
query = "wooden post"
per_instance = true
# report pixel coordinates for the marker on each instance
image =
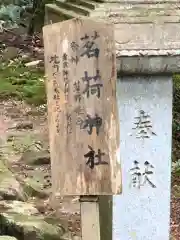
(96, 217)
(90, 221)
(105, 212)
(83, 118)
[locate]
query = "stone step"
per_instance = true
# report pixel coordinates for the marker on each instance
(118, 13)
(141, 26)
(134, 20)
(86, 3)
(62, 13)
(74, 7)
(121, 13)
(118, 19)
(139, 6)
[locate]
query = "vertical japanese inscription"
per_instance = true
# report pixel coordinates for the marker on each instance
(94, 158)
(90, 122)
(143, 130)
(65, 64)
(92, 85)
(69, 123)
(56, 98)
(65, 75)
(55, 62)
(77, 91)
(141, 177)
(89, 47)
(92, 88)
(143, 126)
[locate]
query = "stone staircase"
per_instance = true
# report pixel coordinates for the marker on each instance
(72, 8)
(150, 25)
(117, 11)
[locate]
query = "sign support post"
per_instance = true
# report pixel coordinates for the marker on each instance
(90, 221)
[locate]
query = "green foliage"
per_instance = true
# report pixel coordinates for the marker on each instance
(18, 12)
(176, 91)
(176, 120)
(176, 107)
(23, 83)
(176, 168)
(11, 14)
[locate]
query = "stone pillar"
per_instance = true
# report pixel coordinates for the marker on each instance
(147, 56)
(145, 110)
(145, 97)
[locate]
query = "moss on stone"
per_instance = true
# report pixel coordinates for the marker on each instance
(29, 227)
(7, 238)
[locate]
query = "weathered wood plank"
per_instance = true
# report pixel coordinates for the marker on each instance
(83, 116)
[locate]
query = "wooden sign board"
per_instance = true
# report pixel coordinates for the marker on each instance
(82, 108)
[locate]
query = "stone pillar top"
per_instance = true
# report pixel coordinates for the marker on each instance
(145, 26)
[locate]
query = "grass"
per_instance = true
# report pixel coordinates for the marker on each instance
(22, 83)
(176, 118)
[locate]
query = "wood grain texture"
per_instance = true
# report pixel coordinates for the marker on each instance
(82, 108)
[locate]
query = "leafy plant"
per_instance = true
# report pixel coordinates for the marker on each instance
(11, 14)
(176, 168)
(15, 13)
